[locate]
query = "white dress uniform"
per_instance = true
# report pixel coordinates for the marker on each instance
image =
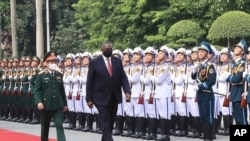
(68, 87)
(76, 82)
(192, 105)
(178, 80)
(134, 79)
(163, 91)
(149, 90)
(223, 86)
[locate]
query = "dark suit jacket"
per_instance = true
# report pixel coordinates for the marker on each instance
(100, 85)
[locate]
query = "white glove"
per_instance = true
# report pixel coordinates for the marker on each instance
(196, 88)
(194, 69)
(185, 77)
(244, 74)
(141, 77)
(172, 77)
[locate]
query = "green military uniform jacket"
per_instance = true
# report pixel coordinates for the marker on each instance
(50, 91)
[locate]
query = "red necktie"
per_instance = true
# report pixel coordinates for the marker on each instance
(109, 67)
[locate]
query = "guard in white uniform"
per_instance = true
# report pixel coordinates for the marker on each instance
(138, 112)
(192, 104)
(67, 76)
(77, 87)
(162, 95)
(148, 93)
(128, 106)
(224, 87)
(120, 115)
(178, 79)
(91, 113)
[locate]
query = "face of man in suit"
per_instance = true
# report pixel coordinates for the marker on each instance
(107, 49)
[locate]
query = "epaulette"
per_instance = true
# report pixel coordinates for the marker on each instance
(41, 72)
(44, 71)
(58, 71)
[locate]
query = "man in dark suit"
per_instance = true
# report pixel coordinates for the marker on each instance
(50, 97)
(105, 79)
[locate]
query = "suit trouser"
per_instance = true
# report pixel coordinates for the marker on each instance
(107, 115)
(46, 116)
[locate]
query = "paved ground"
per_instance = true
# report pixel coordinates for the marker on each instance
(81, 136)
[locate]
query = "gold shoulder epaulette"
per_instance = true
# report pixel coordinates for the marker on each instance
(41, 72)
(59, 71)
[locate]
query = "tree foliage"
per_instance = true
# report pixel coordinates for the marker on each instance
(232, 24)
(78, 25)
(184, 33)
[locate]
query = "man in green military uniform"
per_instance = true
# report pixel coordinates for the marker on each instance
(50, 97)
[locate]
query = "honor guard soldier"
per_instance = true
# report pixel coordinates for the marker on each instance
(1, 87)
(5, 113)
(192, 105)
(128, 106)
(162, 96)
(148, 93)
(13, 108)
(35, 70)
(237, 85)
(79, 110)
(246, 76)
(224, 87)
(67, 78)
(89, 112)
(214, 59)
(205, 74)
(50, 97)
(28, 113)
(11, 98)
(120, 115)
(134, 79)
(178, 79)
(20, 97)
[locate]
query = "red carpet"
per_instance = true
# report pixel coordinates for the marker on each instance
(6, 135)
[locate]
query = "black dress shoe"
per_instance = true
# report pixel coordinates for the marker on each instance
(87, 129)
(128, 134)
(152, 137)
(163, 138)
(35, 121)
(27, 121)
(117, 133)
(78, 128)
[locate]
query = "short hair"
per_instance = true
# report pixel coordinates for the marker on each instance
(106, 43)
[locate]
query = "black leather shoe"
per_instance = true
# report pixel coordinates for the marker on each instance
(117, 133)
(163, 138)
(35, 121)
(87, 129)
(152, 137)
(27, 121)
(78, 128)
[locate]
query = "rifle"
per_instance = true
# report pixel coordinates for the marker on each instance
(79, 83)
(184, 97)
(141, 97)
(226, 97)
(243, 102)
(151, 96)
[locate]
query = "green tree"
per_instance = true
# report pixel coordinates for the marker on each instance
(231, 25)
(184, 33)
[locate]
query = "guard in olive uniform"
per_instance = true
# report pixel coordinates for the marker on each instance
(237, 85)
(50, 97)
(205, 75)
(35, 70)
